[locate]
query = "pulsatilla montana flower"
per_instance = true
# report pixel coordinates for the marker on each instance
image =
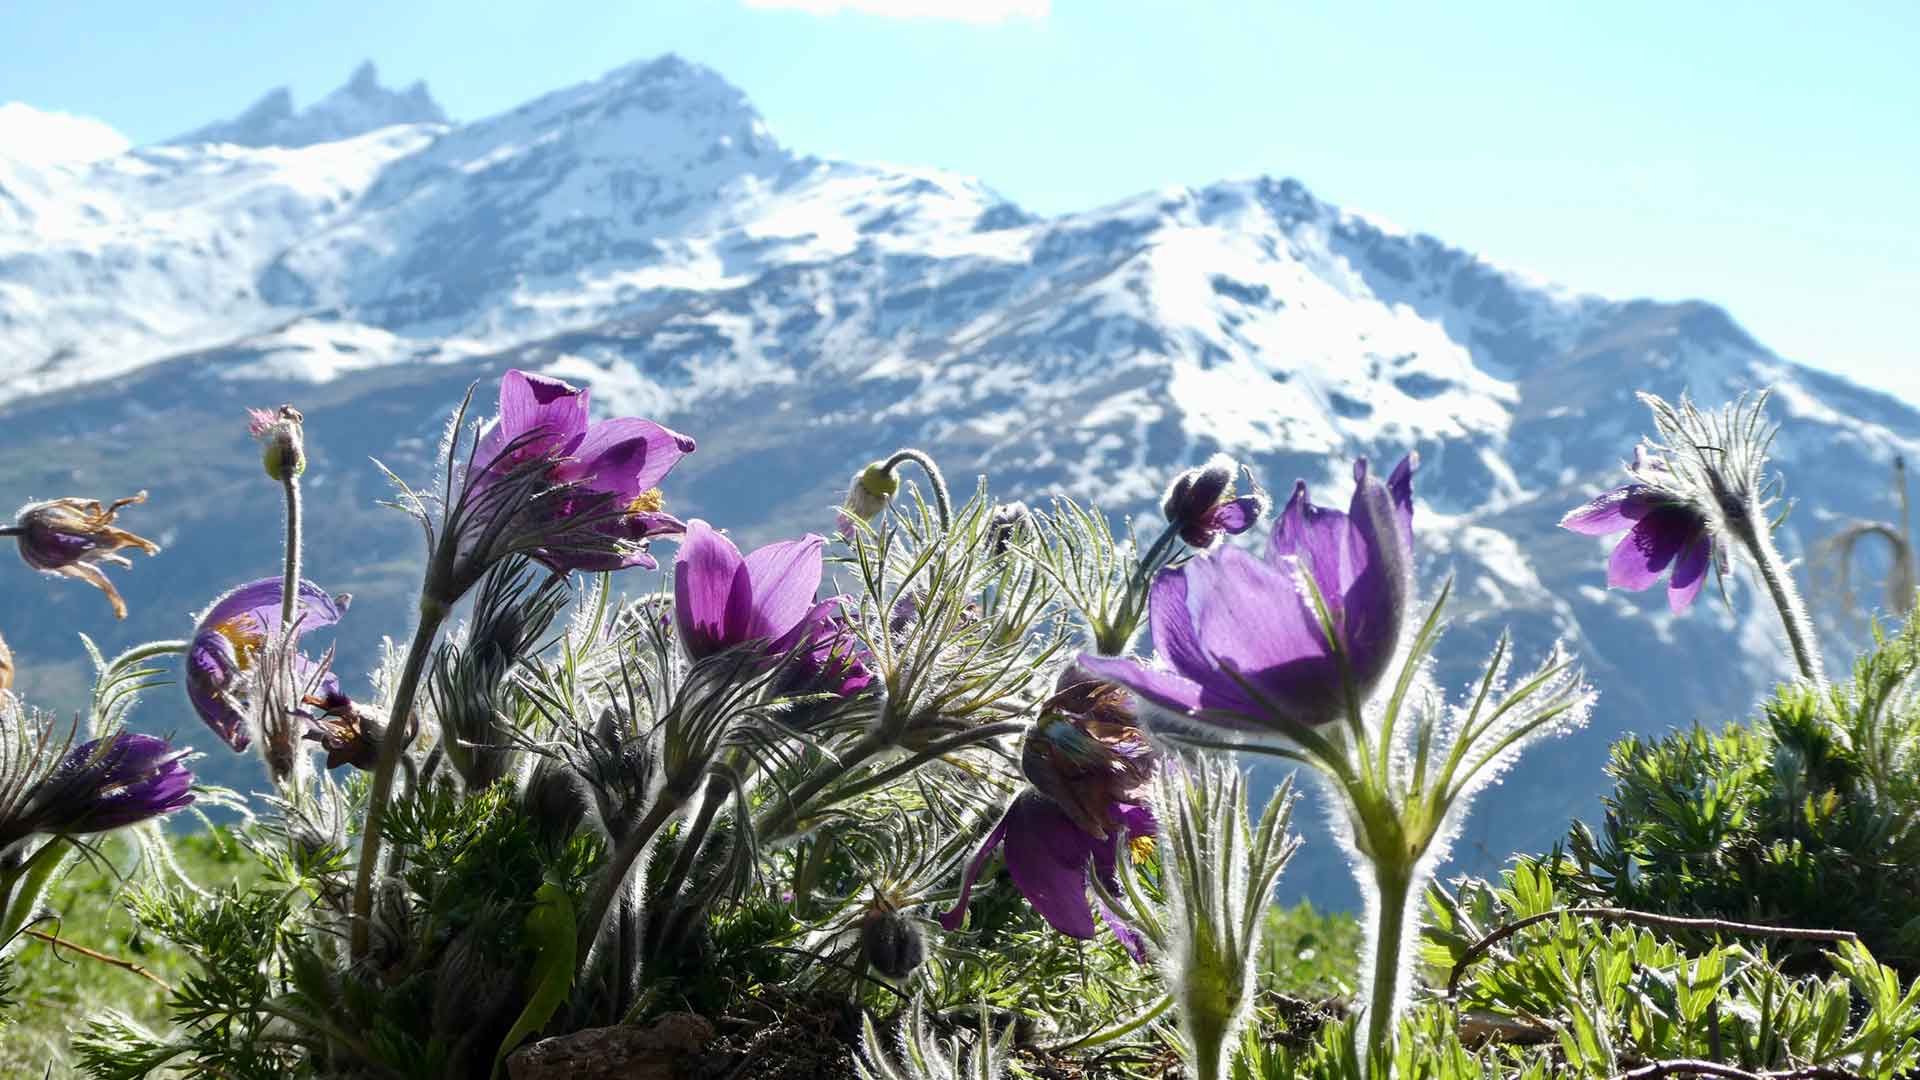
(1090, 768)
(608, 471)
(1662, 532)
(70, 537)
(1241, 638)
(284, 446)
(1202, 504)
(231, 642)
(110, 783)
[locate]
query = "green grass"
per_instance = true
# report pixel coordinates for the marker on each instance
(57, 989)
(1310, 954)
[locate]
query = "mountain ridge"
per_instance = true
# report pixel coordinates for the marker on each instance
(644, 233)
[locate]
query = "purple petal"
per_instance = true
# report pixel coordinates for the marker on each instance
(1047, 856)
(1163, 688)
(1689, 572)
(625, 456)
(1614, 511)
(785, 577)
(1238, 515)
(1644, 553)
(531, 404)
(1251, 617)
(210, 669)
(712, 593)
(260, 602)
(957, 914)
(1319, 538)
(1373, 603)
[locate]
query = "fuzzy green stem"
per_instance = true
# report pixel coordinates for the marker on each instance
(33, 878)
(791, 805)
(392, 745)
(942, 502)
(1394, 885)
(615, 877)
(290, 579)
(1758, 539)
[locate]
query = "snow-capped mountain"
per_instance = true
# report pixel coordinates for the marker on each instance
(647, 234)
(360, 106)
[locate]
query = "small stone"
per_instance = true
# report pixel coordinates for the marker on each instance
(621, 1052)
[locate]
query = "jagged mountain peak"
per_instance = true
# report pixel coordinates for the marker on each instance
(358, 106)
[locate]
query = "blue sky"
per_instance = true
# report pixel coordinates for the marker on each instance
(1763, 156)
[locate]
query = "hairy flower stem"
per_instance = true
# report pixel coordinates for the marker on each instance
(1758, 540)
(942, 502)
(615, 877)
(392, 745)
(1394, 887)
(856, 755)
(290, 579)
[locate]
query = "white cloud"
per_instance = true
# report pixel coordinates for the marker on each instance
(972, 11)
(46, 138)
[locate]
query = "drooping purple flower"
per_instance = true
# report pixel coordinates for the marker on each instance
(1662, 533)
(830, 658)
(1239, 639)
(611, 469)
(231, 640)
(1202, 504)
(1089, 766)
(71, 537)
(111, 783)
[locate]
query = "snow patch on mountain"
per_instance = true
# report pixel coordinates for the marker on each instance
(45, 137)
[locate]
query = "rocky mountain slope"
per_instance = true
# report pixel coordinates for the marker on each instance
(647, 234)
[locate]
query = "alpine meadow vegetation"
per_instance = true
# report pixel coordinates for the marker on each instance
(958, 787)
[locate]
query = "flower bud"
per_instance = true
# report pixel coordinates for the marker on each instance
(890, 942)
(1007, 521)
(285, 447)
(111, 783)
(872, 489)
(1202, 505)
(70, 536)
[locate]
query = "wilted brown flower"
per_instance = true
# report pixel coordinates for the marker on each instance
(70, 537)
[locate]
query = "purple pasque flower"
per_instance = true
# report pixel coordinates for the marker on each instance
(1201, 503)
(71, 537)
(1089, 767)
(111, 783)
(723, 599)
(1662, 532)
(611, 469)
(1239, 639)
(231, 641)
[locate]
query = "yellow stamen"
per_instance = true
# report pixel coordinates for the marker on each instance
(647, 502)
(1140, 848)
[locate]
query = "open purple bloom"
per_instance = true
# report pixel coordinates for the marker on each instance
(1202, 503)
(723, 599)
(1239, 639)
(1090, 768)
(1662, 532)
(229, 644)
(613, 468)
(112, 783)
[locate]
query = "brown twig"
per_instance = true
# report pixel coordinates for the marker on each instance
(124, 965)
(1640, 918)
(1691, 1067)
